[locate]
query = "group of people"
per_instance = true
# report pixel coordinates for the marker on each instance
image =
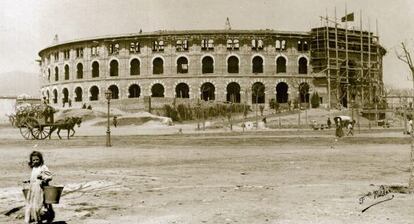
(339, 125)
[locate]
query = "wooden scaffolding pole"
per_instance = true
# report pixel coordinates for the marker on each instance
(328, 62)
(346, 56)
(338, 80)
(362, 59)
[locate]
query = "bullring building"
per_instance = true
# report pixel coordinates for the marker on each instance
(238, 66)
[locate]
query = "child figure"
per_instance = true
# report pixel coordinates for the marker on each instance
(36, 210)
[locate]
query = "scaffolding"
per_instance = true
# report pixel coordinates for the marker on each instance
(351, 61)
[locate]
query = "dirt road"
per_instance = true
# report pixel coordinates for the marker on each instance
(216, 178)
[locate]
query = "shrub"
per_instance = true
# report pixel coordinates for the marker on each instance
(315, 100)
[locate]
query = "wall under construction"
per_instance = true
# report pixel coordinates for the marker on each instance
(351, 61)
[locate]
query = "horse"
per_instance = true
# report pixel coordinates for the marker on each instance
(68, 124)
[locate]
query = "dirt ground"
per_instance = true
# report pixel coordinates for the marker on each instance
(284, 176)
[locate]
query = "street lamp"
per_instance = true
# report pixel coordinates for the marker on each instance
(108, 96)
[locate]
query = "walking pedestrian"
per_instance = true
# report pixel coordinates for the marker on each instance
(115, 121)
(329, 123)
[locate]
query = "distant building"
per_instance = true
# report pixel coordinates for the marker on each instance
(252, 66)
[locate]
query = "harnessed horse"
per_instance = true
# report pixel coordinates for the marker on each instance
(68, 124)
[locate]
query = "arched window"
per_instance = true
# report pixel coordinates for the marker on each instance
(48, 74)
(114, 90)
(281, 65)
(207, 65)
(66, 72)
(258, 93)
(113, 68)
(134, 67)
(257, 65)
(55, 96)
(79, 71)
(94, 91)
(233, 64)
(303, 65)
(78, 94)
(56, 73)
(207, 91)
(182, 65)
(182, 91)
(282, 92)
(134, 91)
(47, 95)
(158, 66)
(233, 92)
(65, 93)
(157, 90)
(304, 92)
(95, 69)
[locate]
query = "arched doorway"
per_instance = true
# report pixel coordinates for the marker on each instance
(258, 93)
(134, 91)
(207, 91)
(233, 92)
(282, 95)
(157, 90)
(182, 91)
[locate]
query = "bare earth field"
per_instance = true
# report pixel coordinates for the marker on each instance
(283, 176)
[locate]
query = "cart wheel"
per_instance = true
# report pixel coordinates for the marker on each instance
(39, 131)
(26, 129)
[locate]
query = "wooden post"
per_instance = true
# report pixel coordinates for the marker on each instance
(329, 60)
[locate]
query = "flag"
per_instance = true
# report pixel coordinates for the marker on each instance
(349, 17)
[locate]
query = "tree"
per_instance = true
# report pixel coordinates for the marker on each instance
(315, 100)
(405, 57)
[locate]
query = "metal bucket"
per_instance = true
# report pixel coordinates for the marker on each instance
(52, 194)
(25, 191)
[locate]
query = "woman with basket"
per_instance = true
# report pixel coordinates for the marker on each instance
(36, 209)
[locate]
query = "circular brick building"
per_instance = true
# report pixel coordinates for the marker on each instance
(239, 66)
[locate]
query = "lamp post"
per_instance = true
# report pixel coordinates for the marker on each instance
(108, 96)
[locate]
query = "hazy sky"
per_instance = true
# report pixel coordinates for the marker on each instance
(27, 26)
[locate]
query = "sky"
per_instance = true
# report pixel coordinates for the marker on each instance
(27, 26)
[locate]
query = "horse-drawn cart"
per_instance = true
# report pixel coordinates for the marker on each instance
(31, 121)
(36, 122)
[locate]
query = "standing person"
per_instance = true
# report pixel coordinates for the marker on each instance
(36, 210)
(410, 127)
(338, 131)
(350, 128)
(329, 123)
(115, 121)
